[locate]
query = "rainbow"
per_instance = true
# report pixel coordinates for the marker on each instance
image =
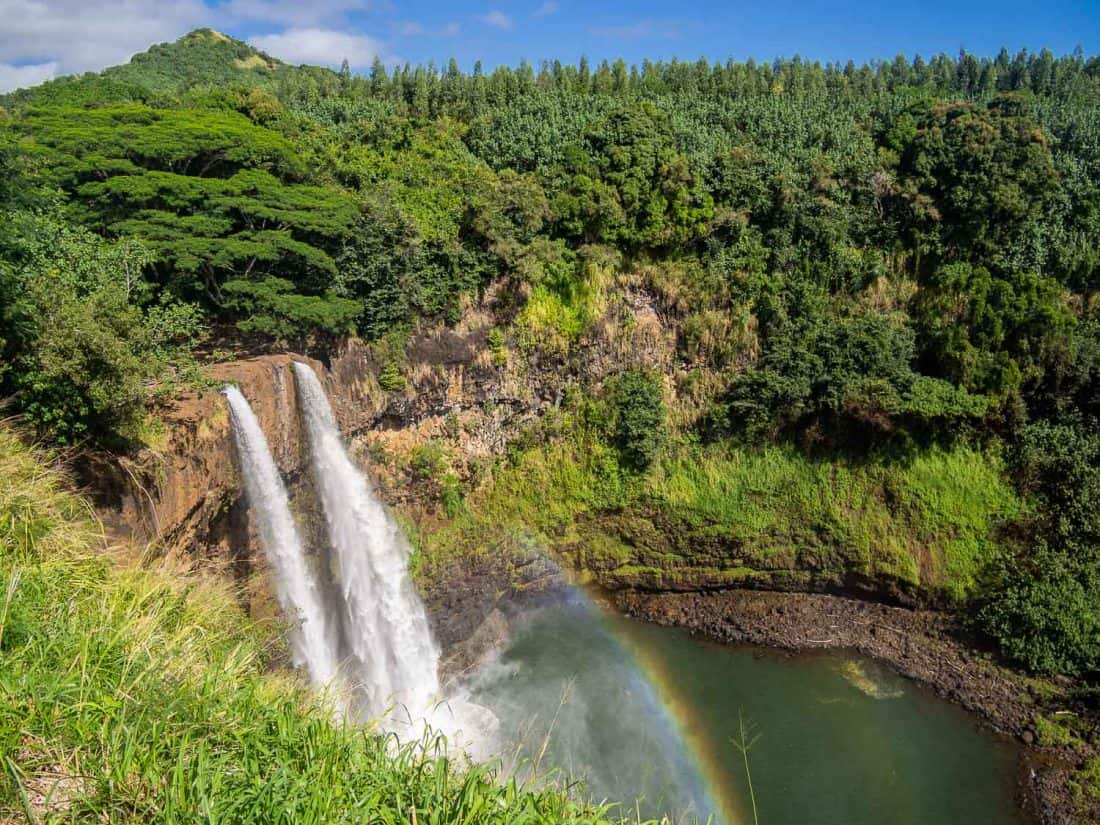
(686, 724)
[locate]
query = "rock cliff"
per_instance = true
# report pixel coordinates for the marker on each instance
(182, 496)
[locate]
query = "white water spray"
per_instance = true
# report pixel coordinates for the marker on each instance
(312, 636)
(385, 624)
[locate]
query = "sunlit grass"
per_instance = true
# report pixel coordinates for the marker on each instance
(928, 521)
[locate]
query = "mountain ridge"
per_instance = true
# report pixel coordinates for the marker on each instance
(204, 57)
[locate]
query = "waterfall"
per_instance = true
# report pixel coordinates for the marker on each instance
(385, 625)
(367, 625)
(312, 635)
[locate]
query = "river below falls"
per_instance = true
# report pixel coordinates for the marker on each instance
(651, 718)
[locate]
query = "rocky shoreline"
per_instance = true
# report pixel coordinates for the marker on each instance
(923, 645)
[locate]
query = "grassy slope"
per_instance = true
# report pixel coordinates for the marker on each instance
(135, 695)
(723, 513)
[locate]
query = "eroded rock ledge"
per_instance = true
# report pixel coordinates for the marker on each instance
(182, 496)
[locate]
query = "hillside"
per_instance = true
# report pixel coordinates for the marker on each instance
(204, 59)
(686, 326)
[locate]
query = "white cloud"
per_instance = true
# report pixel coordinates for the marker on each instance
(546, 9)
(79, 36)
(18, 77)
(326, 47)
(411, 28)
(498, 19)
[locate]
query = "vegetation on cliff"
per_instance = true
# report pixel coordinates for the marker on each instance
(137, 694)
(869, 273)
(708, 516)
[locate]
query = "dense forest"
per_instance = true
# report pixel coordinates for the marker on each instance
(860, 262)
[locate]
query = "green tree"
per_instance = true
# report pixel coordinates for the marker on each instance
(638, 416)
(847, 381)
(270, 306)
(211, 192)
(991, 334)
(1043, 602)
(627, 183)
(73, 332)
(970, 179)
(249, 226)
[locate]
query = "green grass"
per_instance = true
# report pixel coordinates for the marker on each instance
(929, 521)
(1087, 782)
(145, 695)
(1061, 730)
(559, 311)
(553, 322)
(725, 513)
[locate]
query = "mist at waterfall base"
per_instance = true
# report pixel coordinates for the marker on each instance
(573, 701)
(635, 712)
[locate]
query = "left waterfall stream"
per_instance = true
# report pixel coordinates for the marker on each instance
(313, 637)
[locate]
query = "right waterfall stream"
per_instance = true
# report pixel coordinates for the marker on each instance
(393, 659)
(391, 663)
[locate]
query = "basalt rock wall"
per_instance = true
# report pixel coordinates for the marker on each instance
(182, 496)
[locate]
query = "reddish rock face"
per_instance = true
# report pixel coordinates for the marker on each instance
(185, 496)
(176, 493)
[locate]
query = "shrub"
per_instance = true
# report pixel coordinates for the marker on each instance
(495, 340)
(451, 495)
(638, 410)
(391, 379)
(428, 461)
(1043, 603)
(78, 343)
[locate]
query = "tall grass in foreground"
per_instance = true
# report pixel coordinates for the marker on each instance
(130, 695)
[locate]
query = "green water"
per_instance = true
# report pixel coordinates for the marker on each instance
(635, 709)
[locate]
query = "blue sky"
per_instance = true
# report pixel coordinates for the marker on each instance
(44, 38)
(763, 30)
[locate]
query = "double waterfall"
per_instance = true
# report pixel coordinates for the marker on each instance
(358, 625)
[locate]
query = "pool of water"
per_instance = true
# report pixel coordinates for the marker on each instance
(653, 719)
